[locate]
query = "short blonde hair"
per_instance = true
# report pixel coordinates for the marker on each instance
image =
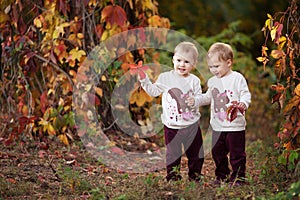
(223, 50)
(188, 48)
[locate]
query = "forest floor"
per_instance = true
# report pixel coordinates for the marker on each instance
(58, 172)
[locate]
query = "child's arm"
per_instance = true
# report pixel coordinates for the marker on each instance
(245, 95)
(198, 99)
(153, 89)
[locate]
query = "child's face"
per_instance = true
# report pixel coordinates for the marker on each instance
(217, 67)
(182, 64)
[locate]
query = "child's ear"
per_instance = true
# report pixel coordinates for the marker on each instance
(229, 62)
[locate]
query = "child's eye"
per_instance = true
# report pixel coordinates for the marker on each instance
(213, 66)
(186, 62)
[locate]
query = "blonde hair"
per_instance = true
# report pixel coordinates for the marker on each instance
(188, 48)
(223, 50)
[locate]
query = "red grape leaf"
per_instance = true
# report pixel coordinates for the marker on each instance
(138, 69)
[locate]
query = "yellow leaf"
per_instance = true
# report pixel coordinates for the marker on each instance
(282, 42)
(50, 129)
(64, 139)
(80, 35)
(140, 98)
(88, 87)
(59, 30)
(77, 54)
(99, 91)
(103, 78)
(268, 24)
(72, 37)
(297, 90)
(43, 122)
(147, 4)
(277, 54)
(264, 50)
(105, 35)
(116, 80)
(3, 18)
(93, 3)
(25, 110)
(67, 108)
(38, 21)
(261, 59)
(154, 21)
(292, 103)
(273, 33)
(269, 16)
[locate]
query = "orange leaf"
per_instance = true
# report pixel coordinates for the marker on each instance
(292, 103)
(99, 91)
(297, 90)
(11, 180)
(154, 21)
(139, 68)
(279, 87)
(288, 146)
(264, 50)
(126, 58)
(61, 51)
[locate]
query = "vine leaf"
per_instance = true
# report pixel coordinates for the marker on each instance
(140, 97)
(138, 69)
(232, 111)
(114, 14)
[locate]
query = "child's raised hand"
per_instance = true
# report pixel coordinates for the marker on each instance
(139, 70)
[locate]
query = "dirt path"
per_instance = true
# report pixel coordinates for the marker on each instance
(72, 173)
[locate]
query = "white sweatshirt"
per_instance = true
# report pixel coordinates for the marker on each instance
(175, 89)
(220, 94)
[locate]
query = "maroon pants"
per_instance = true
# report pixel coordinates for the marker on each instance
(191, 139)
(234, 144)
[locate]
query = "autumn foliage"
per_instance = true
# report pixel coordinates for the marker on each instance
(44, 43)
(281, 52)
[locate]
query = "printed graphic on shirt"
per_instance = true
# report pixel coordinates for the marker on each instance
(178, 108)
(220, 103)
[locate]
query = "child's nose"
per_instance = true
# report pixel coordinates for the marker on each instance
(181, 63)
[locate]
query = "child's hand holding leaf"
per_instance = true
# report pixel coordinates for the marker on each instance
(233, 110)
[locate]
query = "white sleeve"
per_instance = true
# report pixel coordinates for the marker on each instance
(153, 89)
(205, 99)
(245, 95)
(197, 92)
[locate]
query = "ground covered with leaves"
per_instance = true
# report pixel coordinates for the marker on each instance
(36, 171)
